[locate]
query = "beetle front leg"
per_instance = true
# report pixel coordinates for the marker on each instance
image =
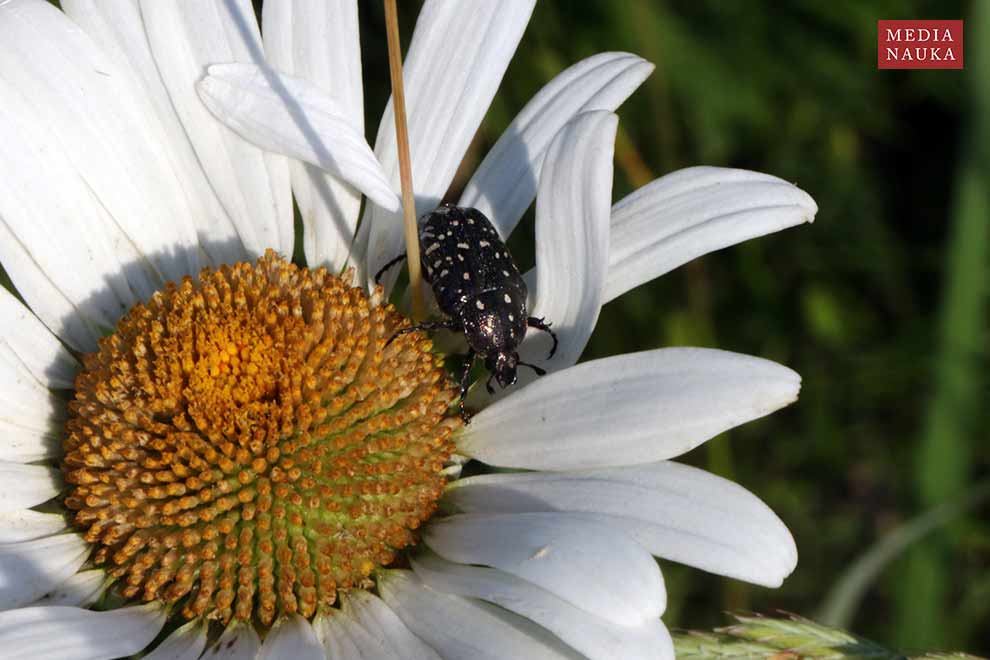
(466, 383)
(445, 324)
(383, 269)
(540, 324)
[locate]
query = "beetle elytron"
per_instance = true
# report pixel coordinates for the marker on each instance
(478, 286)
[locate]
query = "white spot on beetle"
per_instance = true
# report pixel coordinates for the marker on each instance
(460, 257)
(450, 233)
(484, 244)
(436, 264)
(444, 272)
(463, 246)
(467, 275)
(470, 221)
(511, 317)
(433, 247)
(479, 304)
(505, 272)
(454, 223)
(507, 299)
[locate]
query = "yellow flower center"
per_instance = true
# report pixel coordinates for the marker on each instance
(246, 445)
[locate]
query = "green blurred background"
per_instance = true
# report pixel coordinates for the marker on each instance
(881, 305)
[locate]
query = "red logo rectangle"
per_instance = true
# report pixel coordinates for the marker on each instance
(919, 44)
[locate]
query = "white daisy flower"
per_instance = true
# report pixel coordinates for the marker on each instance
(246, 468)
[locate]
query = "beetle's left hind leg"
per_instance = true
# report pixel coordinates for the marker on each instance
(444, 324)
(540, 324)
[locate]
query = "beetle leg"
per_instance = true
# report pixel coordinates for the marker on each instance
(444, 324)
(488, 384)
(378, 275)
(540, 324)
(465, 383)
(539, 371)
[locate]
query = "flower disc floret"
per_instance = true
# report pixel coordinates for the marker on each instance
(248, 444)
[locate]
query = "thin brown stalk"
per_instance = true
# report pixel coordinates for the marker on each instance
(405, 164)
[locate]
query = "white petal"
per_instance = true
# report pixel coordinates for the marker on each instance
(344, 638)
(456, 60)
(337, 635)
(505, 184)
(30, 569)
(386, 635)
(626, 410)
(79, 309)
(25, 337)
(185, 643)
(106, 129)
(80, 590)
(694, 211)
(292, 637)
(594, 637)
(75, 266)
(291, 116)
(186, 36)
(31, 416)
(24, 445)
(572, 237)
(588, 564)
(465, 628)
(675, 511)
(118, 27)
(25, 524)
(71, 633)
(238, 642)
(23, 486)
(319, 41)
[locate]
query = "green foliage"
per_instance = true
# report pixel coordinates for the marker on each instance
(844, 596)
(953, 428)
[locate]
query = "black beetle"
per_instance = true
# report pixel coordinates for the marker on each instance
(478, 286)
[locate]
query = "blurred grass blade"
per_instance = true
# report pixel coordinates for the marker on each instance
(951, 432)
(843, 599)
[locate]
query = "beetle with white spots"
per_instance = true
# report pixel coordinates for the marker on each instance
(482, 294)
